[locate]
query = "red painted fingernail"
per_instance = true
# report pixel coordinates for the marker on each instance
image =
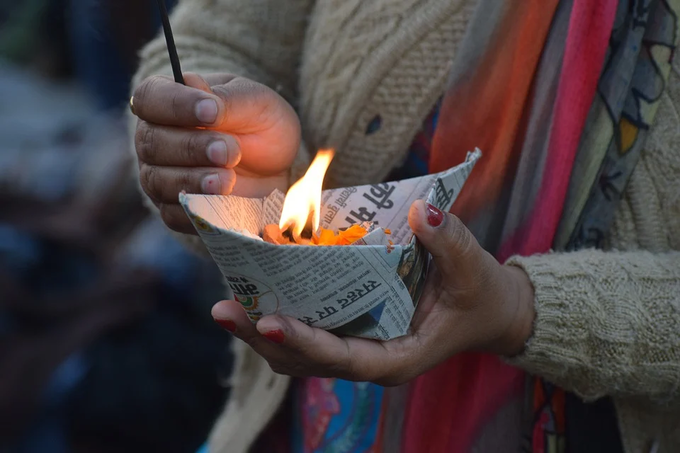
(434, 216)
(227, 324)
(275, 336)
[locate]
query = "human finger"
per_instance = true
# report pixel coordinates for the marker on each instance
(160, 100)
(454, 249)
(320, 353)
(173, 146)
(231, 316)
(163, 184)
(175, 218)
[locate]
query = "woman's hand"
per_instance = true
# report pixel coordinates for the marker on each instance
(219, 134)
(470, 302)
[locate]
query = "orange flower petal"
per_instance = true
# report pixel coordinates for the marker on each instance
(353, 233)
(342, 241)
(327, 237)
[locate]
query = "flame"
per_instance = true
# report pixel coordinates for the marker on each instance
(304, 197)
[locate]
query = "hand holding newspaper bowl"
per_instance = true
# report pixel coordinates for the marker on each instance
(306, 304)
(468, 301)
(369, 287)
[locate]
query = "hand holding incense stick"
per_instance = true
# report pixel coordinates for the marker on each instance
(170, 40)
(184, 136)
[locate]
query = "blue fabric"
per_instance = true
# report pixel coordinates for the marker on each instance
(356, 425)
(338, 416)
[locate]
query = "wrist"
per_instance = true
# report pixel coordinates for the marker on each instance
(521, 299)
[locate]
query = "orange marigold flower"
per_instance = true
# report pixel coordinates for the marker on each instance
(347, 237)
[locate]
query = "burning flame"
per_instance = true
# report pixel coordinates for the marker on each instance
(304, 197)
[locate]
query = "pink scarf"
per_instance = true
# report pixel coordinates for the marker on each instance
(489, 105)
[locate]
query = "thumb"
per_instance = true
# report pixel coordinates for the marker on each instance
(454, 249)
(243, 103)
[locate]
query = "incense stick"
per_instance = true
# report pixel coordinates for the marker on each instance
(170, 40)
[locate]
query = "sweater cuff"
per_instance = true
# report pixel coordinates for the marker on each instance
(559, 330)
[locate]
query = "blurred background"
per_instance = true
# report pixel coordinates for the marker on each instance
(106, 340)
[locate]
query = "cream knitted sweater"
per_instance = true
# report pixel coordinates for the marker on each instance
(608, 322)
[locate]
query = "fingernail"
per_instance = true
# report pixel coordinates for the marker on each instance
(227, 324)
(275, 336)
(217, 153)
(211, 184)
(434, 216)
(206, 111)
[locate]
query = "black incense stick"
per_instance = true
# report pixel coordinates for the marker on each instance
(172, 49)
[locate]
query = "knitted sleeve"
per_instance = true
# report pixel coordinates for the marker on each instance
(258, 39)
(607, 323)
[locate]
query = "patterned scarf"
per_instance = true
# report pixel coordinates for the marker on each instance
(560, 96)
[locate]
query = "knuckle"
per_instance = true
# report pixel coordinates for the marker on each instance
(148, 177)
(173, 218)
(346, 365)
(185, 181)
(255, 342)
(228, 103)
(460, 235)
(177, 106)
(307, 350)
(144, 141)
(227, 93)
(169, 218)
(145, 89)
(194, 144)
(265, 102)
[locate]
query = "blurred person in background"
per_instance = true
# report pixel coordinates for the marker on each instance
(91, 287)
(104, 38)
(574, 104)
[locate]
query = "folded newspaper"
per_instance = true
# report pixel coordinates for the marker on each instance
(366, 289)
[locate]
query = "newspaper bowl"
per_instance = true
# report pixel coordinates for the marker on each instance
(367, 289)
